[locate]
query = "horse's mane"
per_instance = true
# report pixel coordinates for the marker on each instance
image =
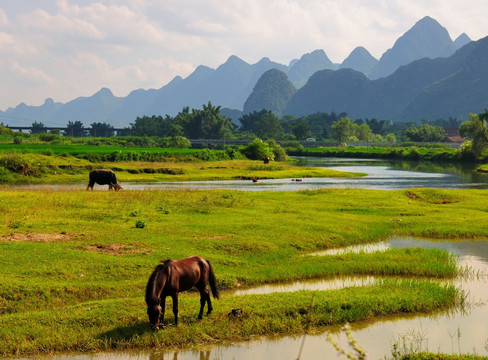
(151, 284)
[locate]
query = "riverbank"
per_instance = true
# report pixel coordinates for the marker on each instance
(17, 168)
(410, 153)
(81, 254)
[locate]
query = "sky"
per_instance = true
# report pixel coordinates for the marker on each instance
(63, 49)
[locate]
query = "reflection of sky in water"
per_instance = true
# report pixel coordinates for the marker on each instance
(439, 331)
(381, 175)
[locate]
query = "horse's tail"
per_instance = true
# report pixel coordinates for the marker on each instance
(212, 281)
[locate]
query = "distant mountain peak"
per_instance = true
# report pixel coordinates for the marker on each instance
(234, 60)
(49, 102)
(462, 40)
(104, 92)
(360, 60)
(427, 38)
(307, 65)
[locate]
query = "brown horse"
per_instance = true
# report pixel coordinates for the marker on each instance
(172, 277)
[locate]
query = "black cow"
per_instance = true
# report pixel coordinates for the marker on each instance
(266, 160)
(103, 177)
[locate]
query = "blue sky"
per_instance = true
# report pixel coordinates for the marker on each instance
(63, 49)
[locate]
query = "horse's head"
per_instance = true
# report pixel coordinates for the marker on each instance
(154, 313)
(116, 186)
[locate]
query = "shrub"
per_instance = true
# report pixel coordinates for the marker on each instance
(278, 152)
(49, 137)
(141, 224)
(257, 150)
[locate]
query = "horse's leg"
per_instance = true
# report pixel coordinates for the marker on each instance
(202, 303)
(175, 306)
(163, 306)
(209, 303)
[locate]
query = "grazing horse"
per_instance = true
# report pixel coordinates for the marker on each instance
(172, 277)
(104, 177)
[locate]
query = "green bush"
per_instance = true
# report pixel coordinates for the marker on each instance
(258, 150)
(141, 224)
(278, 152)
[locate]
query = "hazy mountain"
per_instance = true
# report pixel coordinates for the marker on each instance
(96, 108)
(229, 85)
(308, 64)
(424, 89)
(427, 38)
(272, 92)
(139, 102)
(411, 79)
(328, 91)
(461, 40)
(24, 115)
(233, 114)
(462, 92)
(360, 60)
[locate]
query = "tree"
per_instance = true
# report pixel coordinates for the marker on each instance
(38, 127)
(264, 124)
(75, 129)
(475, 129)
(343, 130)
(147, 126)
(425, 133)
(207, 123)
(302, 130)
(362, 132)
(258, 150)
(390, 139)
(99, 129)
(175, 130)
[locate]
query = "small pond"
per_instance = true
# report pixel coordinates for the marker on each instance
(459, 330)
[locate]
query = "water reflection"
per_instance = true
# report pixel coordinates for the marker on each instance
(382, 175)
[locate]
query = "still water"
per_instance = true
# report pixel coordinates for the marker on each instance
(380, 174)
(460, 330)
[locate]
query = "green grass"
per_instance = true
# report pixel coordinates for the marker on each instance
(33, 168)
(73, 265)
(408, 153)
(121, 323)
(77, 149)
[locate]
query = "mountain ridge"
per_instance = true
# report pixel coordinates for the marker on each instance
(229, 85)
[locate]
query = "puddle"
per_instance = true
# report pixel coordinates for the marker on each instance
(310, 285)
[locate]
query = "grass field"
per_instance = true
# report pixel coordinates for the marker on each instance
(34, 168)
(73, 265)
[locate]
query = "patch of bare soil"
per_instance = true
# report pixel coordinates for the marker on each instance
(39, 237)
(116, 249)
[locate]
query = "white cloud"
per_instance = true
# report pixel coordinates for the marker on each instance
(75, 47)
(3, 18)
(30, 74)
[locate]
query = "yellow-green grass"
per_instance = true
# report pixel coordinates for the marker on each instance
(53, 169)
(73, 265)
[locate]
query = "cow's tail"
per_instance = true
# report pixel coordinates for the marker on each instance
(213, 281)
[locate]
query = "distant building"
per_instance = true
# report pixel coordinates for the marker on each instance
(453, 135)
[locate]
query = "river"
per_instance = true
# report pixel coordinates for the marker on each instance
(382, 175)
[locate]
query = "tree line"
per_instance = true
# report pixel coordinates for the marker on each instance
(209, 123)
